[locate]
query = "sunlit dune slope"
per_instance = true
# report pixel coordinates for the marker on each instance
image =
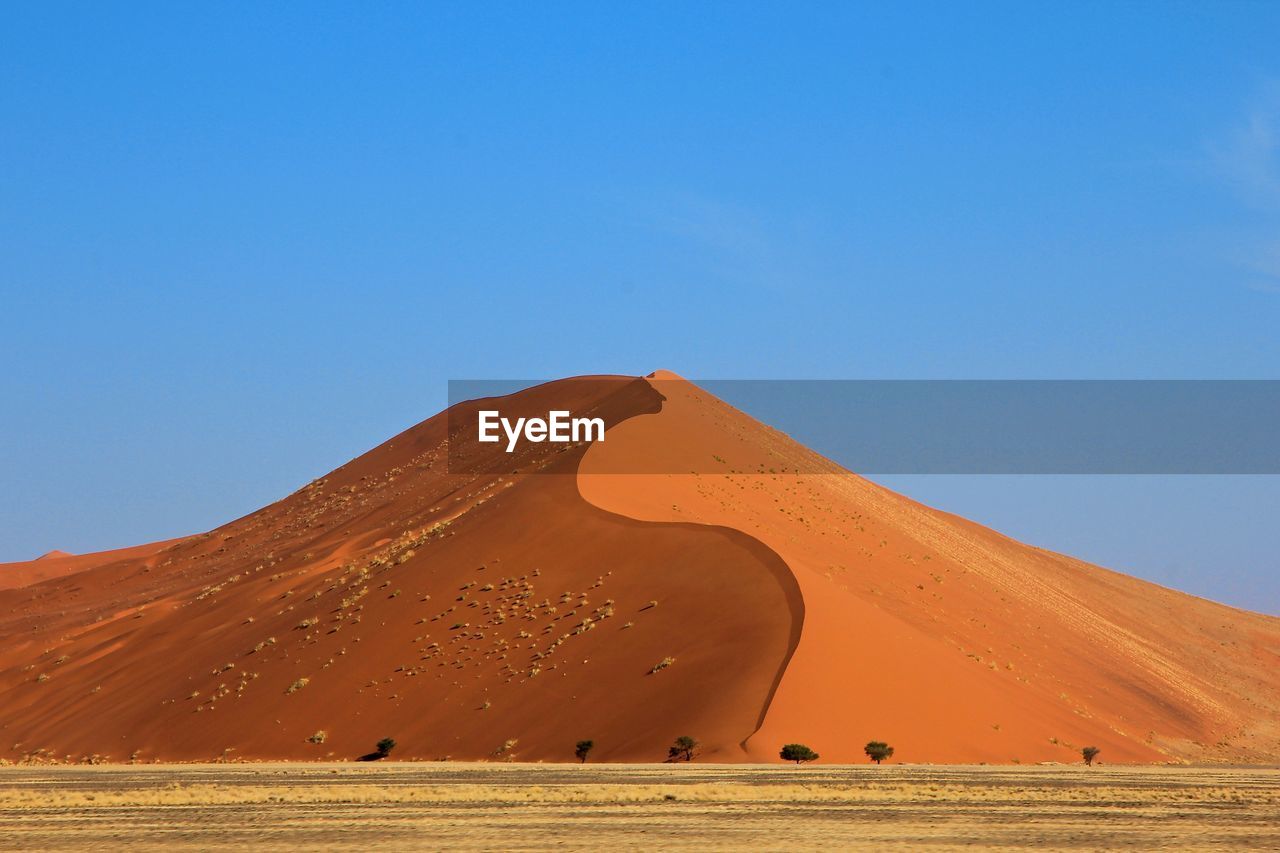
(944, 638)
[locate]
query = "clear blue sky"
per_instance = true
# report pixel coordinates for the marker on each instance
(241, 243)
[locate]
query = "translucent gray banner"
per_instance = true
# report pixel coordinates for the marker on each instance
(975, 426)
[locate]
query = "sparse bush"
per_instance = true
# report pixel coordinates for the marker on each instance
(662, 664)
(298, 685)
(1089, 753)
(381, 751)
(683, 749)
(318, 737)
(582, 748)
(878, 751)
(797, 752)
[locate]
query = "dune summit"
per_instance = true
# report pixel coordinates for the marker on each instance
(478, 604)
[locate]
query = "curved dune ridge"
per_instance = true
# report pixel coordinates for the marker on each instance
(469, 605)
(474, 604)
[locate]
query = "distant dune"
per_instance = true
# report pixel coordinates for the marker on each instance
(514, 604)
(59, 563)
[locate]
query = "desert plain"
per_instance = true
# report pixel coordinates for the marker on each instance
(490, 806)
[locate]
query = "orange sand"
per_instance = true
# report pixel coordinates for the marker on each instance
(513, 604)
(944, 638)
(481, 614)
(57, 564)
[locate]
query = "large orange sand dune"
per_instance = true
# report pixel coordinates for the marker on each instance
(511, 605)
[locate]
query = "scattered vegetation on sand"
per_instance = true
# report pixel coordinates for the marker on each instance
(662, 664)
(797, 752)
(582, 748)
(1045, 808)
(1089, 753)
(298, 685)
(318, 737)
(683, 749)
(878, 751)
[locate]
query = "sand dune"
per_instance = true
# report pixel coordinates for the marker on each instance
(56, 564)
(478, 605)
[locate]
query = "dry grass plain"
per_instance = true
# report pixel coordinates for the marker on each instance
(523, 806)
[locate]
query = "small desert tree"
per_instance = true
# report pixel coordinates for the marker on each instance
(683, 749)
(582, 748)
(1089, 753)
(878, 751)
(797, 752)
(385, 746)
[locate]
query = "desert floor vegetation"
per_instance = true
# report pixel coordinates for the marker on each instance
(523, 806)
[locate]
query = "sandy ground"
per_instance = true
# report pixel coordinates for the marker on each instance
(521, 806)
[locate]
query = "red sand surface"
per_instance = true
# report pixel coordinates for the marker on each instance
(506, 606)
(57, 564)
(468, 615)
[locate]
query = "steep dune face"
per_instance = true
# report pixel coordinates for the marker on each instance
(486, 611)
(946, 639)
(475, 604)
